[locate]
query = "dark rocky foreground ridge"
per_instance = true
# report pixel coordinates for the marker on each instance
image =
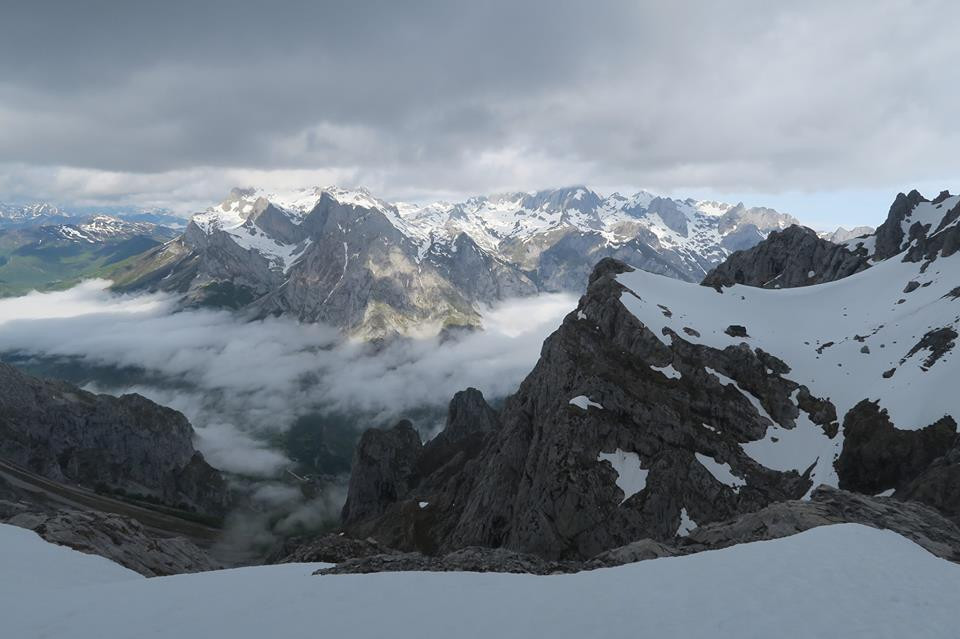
(114, 476)
(124, 445)
(826, 506)
(536, 482)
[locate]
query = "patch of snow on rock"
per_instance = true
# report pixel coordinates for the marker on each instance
(631, 478)
(721, 472)
(582, 401)
(686, 524)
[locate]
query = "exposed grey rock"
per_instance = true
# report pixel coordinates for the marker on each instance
(938, 342)
(916, 522)
(631, 553)
(938, 485)
(793, 257)
(890, 235)
(827, 506)
(472, 559)
(735, 330)
(538, 484)
(329, 548)
(469, 420)
(383, 471)
(119, 539)
(877, 456)
(127, 445)
(670, 214)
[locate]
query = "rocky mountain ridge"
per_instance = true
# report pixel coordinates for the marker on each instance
(373, 268)
(659, 407)
(125, 445)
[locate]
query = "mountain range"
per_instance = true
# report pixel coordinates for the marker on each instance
(688, 415)
(373, 268)
(47, 214)
(54, 251)
(802, 384)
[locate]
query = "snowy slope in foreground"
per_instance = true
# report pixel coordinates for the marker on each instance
(835, 581)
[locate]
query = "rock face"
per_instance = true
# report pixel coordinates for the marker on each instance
(877, 456)
(331, 548)
(123, 445)
(546, 481)
(376, 269)
(119, 539)
(921, 230)
(464, 560)
(891, 234)
(796, 256)
(384, 463)
(826, 506)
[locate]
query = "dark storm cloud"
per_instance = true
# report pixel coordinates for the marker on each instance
(103, 100)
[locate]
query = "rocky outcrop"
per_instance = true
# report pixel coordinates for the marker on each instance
(542, 481)
(472, 559)
(922, 237)
(126, 445)
(827, 506)
(890, 235)
(796, 256)
(877, 456)
(937, 485)
(330, 548)
(382, 471)
(119, 539)
(397, 485)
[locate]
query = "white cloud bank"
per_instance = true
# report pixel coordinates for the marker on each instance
(236, 379)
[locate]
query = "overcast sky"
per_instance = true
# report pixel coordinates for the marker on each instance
(822, 109)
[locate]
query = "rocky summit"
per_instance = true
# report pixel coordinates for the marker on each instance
(112, 476)
(374, 268)
(659, 409)
(124, 446)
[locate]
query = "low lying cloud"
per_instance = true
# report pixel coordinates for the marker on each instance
(239, 381)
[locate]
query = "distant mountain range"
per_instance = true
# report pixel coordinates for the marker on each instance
(374, 268)
(46, 214)
(54, 251)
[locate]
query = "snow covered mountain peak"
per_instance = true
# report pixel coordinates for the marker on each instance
(489, 246)
(28, 211)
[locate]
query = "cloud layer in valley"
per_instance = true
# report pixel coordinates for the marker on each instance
(239, 380)
(173, 103)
